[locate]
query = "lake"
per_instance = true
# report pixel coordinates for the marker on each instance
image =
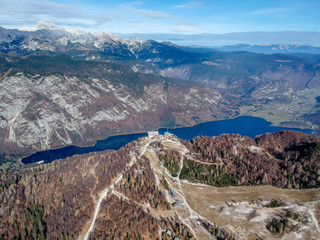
(248, 126)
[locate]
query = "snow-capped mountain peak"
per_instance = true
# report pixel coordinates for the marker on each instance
(108, 37)
(42, 25)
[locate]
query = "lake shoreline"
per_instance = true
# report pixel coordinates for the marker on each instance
(243, 125)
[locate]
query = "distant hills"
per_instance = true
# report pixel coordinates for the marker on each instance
(248, 38)
(273, 48)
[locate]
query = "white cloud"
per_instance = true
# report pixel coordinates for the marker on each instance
(131, 10)
(125, 17)
(268, 11)
(189, 4)
(154, 14)
(17, 12)
(131, 4)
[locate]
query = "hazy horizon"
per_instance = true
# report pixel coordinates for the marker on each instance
(182, 17)
(218, 40)
(210, 39)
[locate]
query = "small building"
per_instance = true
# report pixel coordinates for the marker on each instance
(172, 193)
(175, 204)
(169, 232)
(142, 168)
(167, 134)
(176, 238)
(152, 134)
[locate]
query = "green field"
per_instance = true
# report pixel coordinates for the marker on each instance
(291, 113)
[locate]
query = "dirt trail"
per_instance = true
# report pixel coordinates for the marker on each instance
(185, 213)
(110, 189)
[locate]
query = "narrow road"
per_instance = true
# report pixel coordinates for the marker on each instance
(102, 195)
(193, 215)
(105, 192)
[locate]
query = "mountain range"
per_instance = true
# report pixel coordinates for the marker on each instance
(62, 87)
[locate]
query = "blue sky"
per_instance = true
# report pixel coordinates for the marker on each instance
(164, 16)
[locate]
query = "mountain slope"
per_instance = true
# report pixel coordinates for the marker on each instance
(131, 193)
(55, 101)
(72, 189)
(283, 159)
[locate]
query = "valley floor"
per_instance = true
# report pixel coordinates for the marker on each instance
(293, 114)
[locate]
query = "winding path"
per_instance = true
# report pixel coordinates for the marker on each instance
(102, 195)
(110, 189)
(193, 215)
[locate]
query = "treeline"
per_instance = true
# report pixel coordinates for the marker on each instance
(215, 230)
(283, 223)
(171, 160)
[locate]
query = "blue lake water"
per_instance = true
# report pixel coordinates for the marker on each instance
(247, 126)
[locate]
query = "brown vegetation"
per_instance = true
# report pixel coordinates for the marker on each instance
(57, 200)
(284, 159)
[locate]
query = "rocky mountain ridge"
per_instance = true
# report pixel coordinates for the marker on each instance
(47, 37)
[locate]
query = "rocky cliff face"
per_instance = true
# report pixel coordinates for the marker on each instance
(47, 105)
